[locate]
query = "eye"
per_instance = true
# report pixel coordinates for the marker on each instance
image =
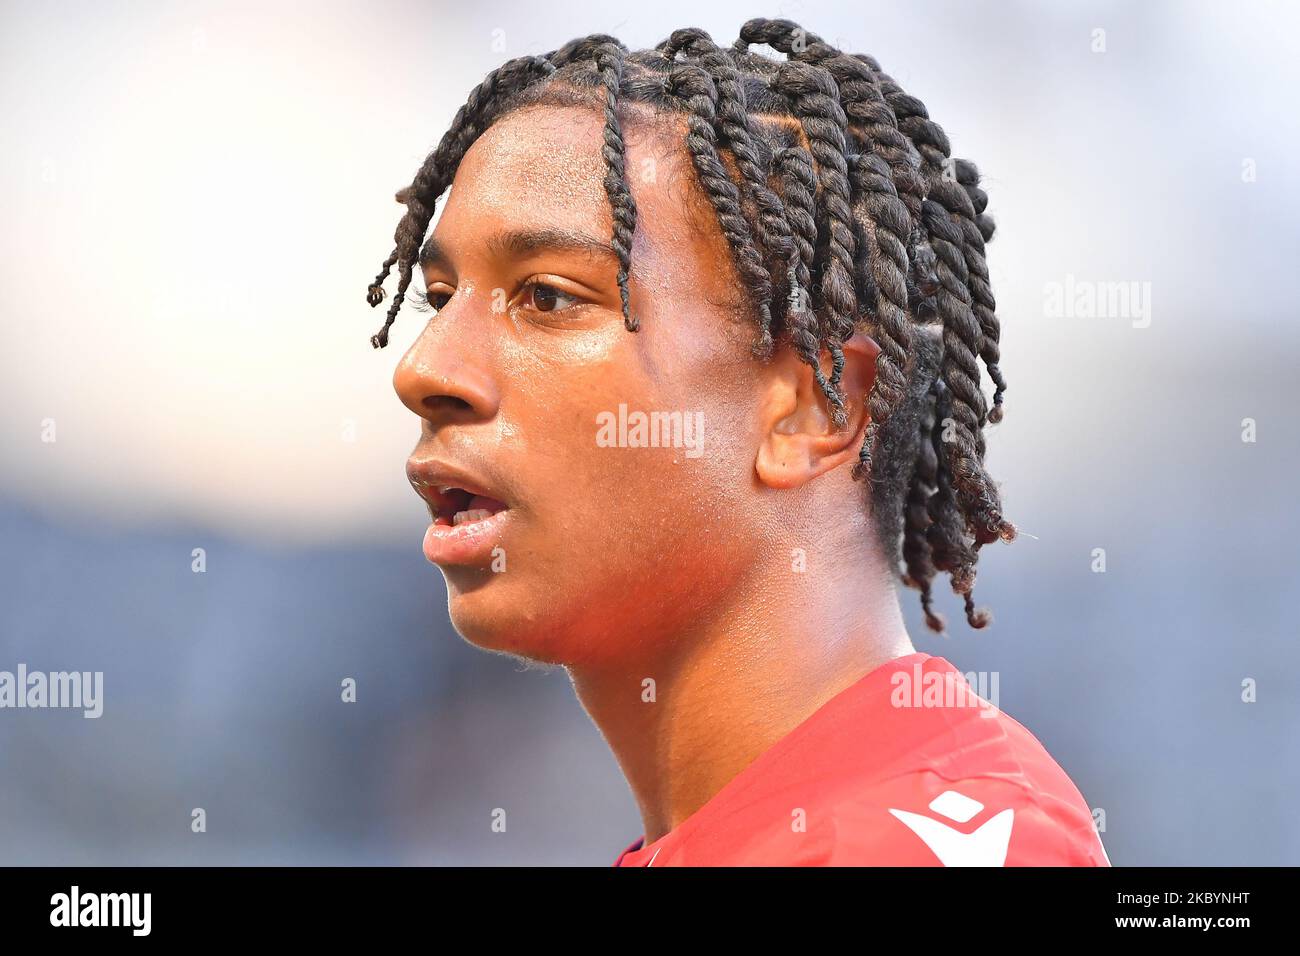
(545, 297)
(433, 302)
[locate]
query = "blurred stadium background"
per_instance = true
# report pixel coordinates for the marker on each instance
(193, 194)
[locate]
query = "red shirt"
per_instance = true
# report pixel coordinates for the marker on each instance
(907, 767)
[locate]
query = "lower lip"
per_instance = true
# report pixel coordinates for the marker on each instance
(470, 543)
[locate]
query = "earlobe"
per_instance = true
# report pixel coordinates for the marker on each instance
(799, 440)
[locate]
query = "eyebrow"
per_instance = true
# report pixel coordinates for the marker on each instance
(522, 242)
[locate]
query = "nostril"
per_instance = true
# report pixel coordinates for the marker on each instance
(446, 403)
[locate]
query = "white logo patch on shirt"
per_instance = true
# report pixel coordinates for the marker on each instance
(986, 846)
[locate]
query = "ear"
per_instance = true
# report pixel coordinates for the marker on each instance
(799, 438)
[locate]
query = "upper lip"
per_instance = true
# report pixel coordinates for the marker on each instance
(430, 476)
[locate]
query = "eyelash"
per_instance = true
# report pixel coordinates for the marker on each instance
(420, 299)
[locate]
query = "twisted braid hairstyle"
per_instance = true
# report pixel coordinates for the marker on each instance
(843, 209)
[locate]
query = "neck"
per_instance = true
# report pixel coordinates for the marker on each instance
(739, 681)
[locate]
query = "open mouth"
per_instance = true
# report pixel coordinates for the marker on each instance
(453, 506)
(467, 526)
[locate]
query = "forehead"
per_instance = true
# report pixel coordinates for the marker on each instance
(552, 155)
(544, 166)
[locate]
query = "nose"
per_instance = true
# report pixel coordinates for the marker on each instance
(445, 377)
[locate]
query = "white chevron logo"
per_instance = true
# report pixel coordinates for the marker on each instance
(986, 846)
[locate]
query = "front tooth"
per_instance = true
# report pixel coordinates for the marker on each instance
(474, 514)
(446, 489)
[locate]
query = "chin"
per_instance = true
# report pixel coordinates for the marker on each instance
(581, 618)
(486, 613)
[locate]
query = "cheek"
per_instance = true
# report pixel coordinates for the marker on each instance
(632, 447)
(622, 529)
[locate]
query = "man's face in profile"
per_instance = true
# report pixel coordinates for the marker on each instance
(528, 355)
